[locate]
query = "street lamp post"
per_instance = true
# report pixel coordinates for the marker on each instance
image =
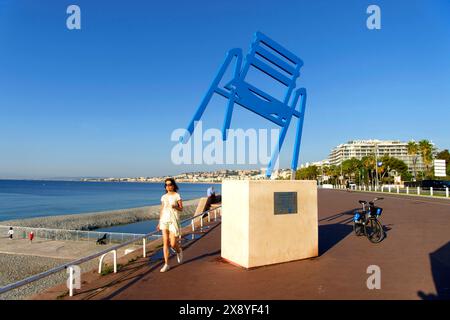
(376, 165)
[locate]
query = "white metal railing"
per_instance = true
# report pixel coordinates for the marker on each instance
(69, 235)
(432, 192)
(215, 210)
(100, 254)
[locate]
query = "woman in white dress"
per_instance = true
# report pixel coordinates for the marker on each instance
(169, 222)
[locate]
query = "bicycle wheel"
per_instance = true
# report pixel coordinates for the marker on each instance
(374, 230)
(358, 228)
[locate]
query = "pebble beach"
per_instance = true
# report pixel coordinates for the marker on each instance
(15, 267)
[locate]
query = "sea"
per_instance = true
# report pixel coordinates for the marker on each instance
(20, 199)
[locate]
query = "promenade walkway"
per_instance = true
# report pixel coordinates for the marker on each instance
(414, 260)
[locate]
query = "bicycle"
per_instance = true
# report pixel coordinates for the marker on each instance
(367, 223)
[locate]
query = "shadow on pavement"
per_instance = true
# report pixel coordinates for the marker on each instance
(440, 268)
(158, 263)
(346, 214)
(332, 234)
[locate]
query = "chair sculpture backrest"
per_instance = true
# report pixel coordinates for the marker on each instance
(278, 63)
(275, 61)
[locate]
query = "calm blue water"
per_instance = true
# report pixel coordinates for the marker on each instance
(36, 198)
(142, 227)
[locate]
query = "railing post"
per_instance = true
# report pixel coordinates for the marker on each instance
(115, 260)
(389, 188)
(407, 190)
(370, 188)
(446, 192)
(100, 263)
(398, 189)
(431, 191)
(418, 190)
(71, 281)
(215, 214)
(144, 251)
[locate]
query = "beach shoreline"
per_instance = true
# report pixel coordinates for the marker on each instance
(100, 219)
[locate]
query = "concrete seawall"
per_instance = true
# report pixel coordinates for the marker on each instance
(102, 219)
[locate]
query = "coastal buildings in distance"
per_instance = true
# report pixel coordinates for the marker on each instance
(204, 176)
(352, 149)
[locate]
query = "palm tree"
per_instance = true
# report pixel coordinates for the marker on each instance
(413, 150)
(426, 150)
(368, 163)
(327, 171)
(351, 167)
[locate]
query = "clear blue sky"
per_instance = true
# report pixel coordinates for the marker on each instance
(103, 100)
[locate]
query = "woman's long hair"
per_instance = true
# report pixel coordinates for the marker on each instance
(172, 180)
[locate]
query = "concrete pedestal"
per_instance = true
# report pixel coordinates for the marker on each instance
(268, 221)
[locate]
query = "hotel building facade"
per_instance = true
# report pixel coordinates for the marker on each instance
(361, 148)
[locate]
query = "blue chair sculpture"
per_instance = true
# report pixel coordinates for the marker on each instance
(278, 63)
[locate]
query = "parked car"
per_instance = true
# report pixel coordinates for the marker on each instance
(436, 184)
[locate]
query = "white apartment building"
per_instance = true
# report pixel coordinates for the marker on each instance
(319, 164)
(361, 148)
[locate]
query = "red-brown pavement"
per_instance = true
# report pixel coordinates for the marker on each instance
(416, 227)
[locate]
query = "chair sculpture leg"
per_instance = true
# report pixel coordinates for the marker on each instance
(215, 84)
(300, 93)
(231, 98)
(276, 151)
(227, 120)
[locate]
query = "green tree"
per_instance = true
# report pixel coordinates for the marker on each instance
(391, 164)
(413, 151)
(326, 171)
(309, 173)
(368, 168)
(426, 150)
(351, 168)
(332, 172)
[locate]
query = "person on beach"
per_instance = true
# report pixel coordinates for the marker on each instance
(212, 199)
(169, 222)
(31, 236)
(10, 233)
(210, 192)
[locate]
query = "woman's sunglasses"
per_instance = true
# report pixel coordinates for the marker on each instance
(168, 184)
